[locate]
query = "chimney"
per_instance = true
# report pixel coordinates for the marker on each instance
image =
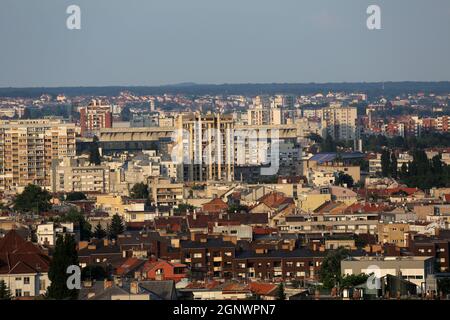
(134, 287)
(175, 243)
(107, 284)
(82, 244)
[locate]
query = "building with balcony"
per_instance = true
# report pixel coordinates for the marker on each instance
(28, 148)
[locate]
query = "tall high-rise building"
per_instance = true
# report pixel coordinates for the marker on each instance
(28, 147)
(259, 113)
(340, 122)
(94, 117)
(207, 147)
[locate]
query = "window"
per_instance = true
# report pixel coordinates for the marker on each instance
(26, 280)
(18, 292)
(18, 279)
(197, 255)
(26, 293)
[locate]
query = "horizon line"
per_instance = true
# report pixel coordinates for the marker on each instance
(193, 84)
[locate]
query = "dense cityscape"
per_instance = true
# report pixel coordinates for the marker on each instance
(200, 196)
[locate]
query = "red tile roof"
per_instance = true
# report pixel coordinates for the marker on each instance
(275, 200)
(20, 256)
(128, 266)
(262, 288)
(216, 205)
(447, 197)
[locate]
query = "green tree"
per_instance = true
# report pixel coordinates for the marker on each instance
(126, 114)
(296, 284)
(94, 272)
(281, 295)
(444, 285)
(330, 270)
(5, 293)
(353, 280)
(183, 208)
(65, 255)
(315, 137)
(237, 208)
(116, 227)
(404, 171)
(328, 145)
(33, 198)
(386, 163)
(99, 232)
(344, 178)
(393, 165)
(78, 219)
(139, 191)
(76, 196)
(94, 154)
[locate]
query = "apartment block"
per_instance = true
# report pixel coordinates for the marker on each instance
(75, 175)
(28, 148)
(415, 269)
(165, 193)
(94, 117)
(340, 122)
(207, 153)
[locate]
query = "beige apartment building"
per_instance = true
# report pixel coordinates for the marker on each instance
(74, 175)
(28, 147)
(340, 122)
(164, 193)
(330, 223)
(394, 233)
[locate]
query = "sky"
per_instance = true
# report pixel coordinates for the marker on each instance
(158, 42)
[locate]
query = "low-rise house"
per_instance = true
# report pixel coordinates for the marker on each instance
(215, 206)
(23, 266)
(47, 233)
(100, 252)
(264, 290)
(164, 270)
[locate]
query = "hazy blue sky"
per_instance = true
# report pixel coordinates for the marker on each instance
(154, 42)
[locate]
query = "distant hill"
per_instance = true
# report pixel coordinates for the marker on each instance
(372, 89)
